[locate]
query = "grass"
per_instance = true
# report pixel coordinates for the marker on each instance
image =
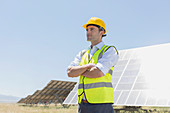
(22, 108)
(144, 109)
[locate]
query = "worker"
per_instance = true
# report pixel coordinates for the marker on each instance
(94, 67)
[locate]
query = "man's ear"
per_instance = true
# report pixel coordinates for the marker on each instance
(101, 32)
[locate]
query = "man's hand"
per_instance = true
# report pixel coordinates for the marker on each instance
(93, 72)
(89, 66)
(76, 71)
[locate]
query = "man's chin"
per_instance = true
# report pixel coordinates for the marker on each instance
(88, 39)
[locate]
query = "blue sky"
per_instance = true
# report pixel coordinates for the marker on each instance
(39, 38)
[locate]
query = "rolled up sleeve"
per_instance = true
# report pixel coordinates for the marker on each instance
(108, 60)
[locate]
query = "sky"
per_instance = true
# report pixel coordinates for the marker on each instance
(39, 38)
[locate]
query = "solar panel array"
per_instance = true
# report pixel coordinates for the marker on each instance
(54, 92)
(140, 78)
(23, 100)
(32, 99)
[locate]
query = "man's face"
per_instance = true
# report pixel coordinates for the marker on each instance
(93, 34)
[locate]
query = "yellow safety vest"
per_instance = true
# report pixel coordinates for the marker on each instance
(96, 90)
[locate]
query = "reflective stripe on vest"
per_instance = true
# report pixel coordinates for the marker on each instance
(95, 85)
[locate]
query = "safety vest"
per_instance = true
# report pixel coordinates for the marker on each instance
(96, 90)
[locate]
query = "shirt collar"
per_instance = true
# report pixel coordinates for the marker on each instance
(99, 45)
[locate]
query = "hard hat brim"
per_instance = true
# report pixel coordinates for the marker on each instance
(85, 26)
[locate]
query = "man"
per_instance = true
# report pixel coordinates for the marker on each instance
(95, 67)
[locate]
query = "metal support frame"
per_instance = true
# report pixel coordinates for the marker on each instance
(61, 101)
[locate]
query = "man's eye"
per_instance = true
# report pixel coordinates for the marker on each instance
(91, 29)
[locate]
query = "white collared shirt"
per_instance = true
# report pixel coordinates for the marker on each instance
(109, 58)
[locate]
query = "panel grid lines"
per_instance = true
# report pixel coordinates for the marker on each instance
(119, 96)
(73, 97)
(121, 75)
(137, 97)
(132, 88)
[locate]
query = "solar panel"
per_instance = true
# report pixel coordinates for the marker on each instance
(72, 97)
(31, 99)
(54, 92)
(140, 78)
(23, 100)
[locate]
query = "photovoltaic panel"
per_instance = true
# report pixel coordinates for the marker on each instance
(132, 97)
(24, 100)
(123, 97)
(116, 96)
(140, 78)
(72, 97)
(54, 92)
(32, 97)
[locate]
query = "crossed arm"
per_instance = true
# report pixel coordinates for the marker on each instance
(89, 70)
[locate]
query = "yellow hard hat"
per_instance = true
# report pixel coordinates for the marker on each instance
(96, 21)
